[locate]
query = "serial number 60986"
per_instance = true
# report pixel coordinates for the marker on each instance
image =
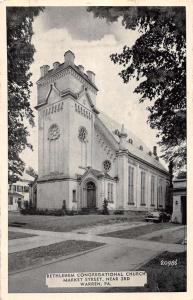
(169, 263)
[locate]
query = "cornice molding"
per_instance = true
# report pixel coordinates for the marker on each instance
(53, 178)
(148, 164)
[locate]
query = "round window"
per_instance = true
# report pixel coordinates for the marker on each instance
(82, 134)
(107, 165)
(53, 132)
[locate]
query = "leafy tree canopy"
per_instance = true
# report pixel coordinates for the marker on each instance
(20, 53)
(158, 61)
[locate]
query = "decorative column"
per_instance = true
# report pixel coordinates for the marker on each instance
(122, 162)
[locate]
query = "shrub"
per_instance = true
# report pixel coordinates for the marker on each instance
(84, 211)
(26, 204)
(45, 212)
(105, 207)
(70, 213)
(64, 207)
(28, 211)
(118, 212)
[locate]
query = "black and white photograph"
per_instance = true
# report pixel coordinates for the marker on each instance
(97, 149)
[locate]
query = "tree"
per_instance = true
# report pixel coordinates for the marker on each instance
(158, 61)
(20, 53)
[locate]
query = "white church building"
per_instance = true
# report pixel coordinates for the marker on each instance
(84, 156)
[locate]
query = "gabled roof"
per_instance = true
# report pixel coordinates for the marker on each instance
(96, 173)
(134, 150)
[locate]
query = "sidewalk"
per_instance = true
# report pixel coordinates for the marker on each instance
(110, 258)
(48, 237)
(117, 255)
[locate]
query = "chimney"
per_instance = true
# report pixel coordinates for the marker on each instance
(122, 138)
(56, 65)
(69, 57)
(44, 70)
(81, 68)
(155, 150)
(91, 75)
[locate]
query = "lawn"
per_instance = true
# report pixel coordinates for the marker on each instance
(44, 254)
(69, 223)
(161, 278)
(138, 231)
(175, 237)
(18, 235)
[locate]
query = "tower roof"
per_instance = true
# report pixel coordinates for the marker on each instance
(68, 63)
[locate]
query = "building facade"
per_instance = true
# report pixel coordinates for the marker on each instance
(19, 193)
(179, 201)
(86, 157)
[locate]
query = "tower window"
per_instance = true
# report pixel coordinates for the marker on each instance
(130, 141)
(107, 165)
(82, 134)
(53, 132)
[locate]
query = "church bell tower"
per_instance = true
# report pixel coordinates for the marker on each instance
(66, 114)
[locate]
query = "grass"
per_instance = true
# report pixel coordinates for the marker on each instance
(175, 237)
(69, 223)
(138, 231)
(161, 278)
(18, 235)
(40, 255)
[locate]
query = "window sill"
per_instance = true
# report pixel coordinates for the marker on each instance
(131, 203)
(143, 204)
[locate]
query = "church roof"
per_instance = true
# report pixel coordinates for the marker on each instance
(134, 148)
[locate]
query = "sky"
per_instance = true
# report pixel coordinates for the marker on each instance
(92, 40)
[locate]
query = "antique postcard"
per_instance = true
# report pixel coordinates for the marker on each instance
(96, 173)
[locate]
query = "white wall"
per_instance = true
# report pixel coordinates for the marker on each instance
(50, 195)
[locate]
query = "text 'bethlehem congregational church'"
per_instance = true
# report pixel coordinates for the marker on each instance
(84, 156)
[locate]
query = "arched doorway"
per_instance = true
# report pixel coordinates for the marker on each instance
(91, 194)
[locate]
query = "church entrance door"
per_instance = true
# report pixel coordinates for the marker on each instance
(91, 195)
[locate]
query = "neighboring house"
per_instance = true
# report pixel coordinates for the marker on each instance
(19, 193)
(84, 156)
(179, 201)
(15, 201)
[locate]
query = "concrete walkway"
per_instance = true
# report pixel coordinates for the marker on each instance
(111, 258)
(49, 237)
(117, 255)
(44, 238)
